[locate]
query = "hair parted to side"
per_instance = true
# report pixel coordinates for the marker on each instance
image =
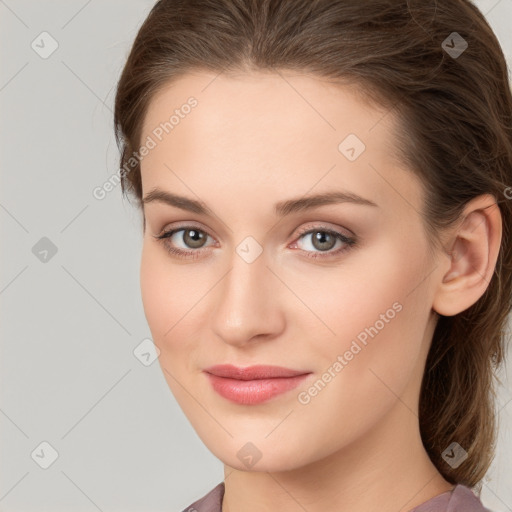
(454, 132)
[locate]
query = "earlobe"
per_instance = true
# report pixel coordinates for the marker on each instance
(470, 258)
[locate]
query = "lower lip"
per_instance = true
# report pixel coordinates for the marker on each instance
(250, 392)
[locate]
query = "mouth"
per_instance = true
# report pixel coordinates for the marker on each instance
(255, 384)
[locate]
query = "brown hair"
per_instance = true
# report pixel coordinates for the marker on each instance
(455, 133)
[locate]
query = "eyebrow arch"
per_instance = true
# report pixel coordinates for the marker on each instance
(281, 209)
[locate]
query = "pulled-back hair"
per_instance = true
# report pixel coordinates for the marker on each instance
(454, 132)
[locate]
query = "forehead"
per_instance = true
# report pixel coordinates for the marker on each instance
(302, 104)
(281, 130)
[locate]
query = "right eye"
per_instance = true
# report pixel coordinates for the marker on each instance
(191, 238)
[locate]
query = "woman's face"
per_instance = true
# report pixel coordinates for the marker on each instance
(340, 290)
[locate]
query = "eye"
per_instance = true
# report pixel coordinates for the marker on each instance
(188, 236)
(322, 240)
(193, 241)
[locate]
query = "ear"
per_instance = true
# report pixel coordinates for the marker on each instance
(472, 250)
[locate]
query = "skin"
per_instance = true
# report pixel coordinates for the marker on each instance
(253, 140)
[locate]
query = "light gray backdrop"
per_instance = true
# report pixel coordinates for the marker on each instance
(74, 396)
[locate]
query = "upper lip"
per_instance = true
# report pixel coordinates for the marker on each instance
(252, 372)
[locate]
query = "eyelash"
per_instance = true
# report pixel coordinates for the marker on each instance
(196, 253)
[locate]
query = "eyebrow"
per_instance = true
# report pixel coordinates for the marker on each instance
(281, 209)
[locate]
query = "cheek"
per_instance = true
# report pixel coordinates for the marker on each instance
(167, 296)
(372, 294)
(164, 293)
(155, 292)
(175, 305)
(377, 308)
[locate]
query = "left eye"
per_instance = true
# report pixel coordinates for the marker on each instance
(323, 241)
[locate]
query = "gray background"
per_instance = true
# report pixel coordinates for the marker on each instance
(70, 324)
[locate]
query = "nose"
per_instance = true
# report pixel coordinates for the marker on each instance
(247, 303)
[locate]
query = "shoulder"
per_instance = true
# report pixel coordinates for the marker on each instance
(210, 502)
(459, 499)
(462, 498)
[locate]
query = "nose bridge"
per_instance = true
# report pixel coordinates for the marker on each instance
(246, 298)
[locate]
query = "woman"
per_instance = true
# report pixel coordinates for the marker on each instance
(326, 265)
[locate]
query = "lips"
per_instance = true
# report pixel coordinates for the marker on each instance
(252, 372)
(254, 384)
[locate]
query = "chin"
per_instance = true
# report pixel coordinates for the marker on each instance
(247, 453)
